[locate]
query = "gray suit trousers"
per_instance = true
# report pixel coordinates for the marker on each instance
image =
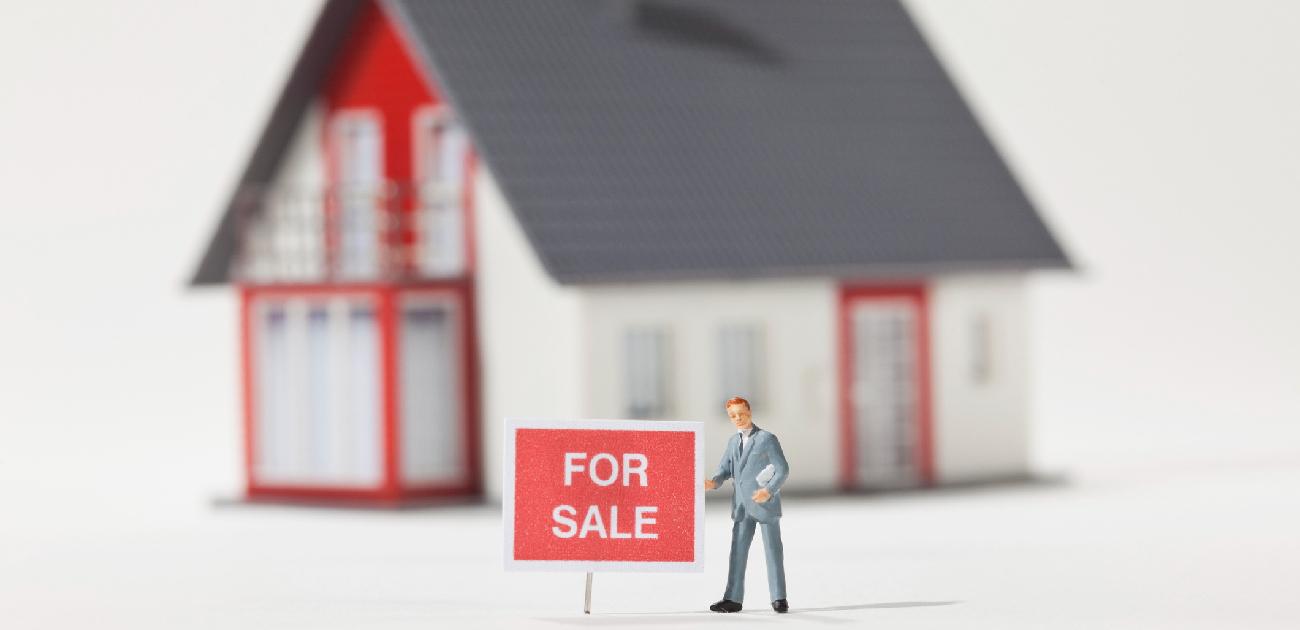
(742, 535)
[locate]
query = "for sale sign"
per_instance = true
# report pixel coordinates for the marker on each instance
(604, 495)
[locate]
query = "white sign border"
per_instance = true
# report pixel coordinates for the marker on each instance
(596, 566)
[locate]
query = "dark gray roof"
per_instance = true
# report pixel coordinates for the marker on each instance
(656, 139)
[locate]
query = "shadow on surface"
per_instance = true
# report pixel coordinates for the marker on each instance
(866, 606)
(747, 616)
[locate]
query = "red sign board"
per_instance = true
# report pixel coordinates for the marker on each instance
(604, 495)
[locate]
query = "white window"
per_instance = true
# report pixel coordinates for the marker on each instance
(357, 138)
(275, 457)
(317, 392)
(432, 429)
(981, 349)
(741, 365)
(441, 148)
(645, 358)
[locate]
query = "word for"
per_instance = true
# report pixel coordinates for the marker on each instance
(633, 464)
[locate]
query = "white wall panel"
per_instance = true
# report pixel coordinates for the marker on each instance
(529, 330)
(799, 327)
(285, 240)
(979, 338)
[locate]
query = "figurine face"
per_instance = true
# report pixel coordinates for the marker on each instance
(739, 415)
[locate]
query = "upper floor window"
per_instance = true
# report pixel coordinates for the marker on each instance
(741, 365)
(357, 143)
(440, 153)
(981, 349)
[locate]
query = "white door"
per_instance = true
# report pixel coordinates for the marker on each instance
(884, 392)
(433, 450)
(359, 191)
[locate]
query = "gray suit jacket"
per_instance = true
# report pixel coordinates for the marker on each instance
(764, 450)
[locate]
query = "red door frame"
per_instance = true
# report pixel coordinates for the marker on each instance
(915, 293)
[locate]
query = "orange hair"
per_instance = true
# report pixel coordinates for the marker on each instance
(736, 400)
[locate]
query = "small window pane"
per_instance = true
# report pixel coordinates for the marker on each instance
(432, 433)
(646, 364)
(741, 364)
(359, 146)
(981, 349)
(319, 360)
(363, 422)
(441, 146)
(275, 399)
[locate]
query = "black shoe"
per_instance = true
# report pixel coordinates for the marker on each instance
(725, 605)
(781, 606)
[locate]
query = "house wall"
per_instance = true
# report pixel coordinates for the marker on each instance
(981, 423)
(574, 368)
(797, 320)
(285, 239)
(372, 78)
(528, 329)
(303, 165)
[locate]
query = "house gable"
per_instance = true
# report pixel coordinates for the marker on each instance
(353, 60)
(821, 138)
(374, 72)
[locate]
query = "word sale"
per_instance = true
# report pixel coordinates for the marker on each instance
(632, 467)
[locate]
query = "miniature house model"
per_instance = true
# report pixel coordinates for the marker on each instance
(460, 212)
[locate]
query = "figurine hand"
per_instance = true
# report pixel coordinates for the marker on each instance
(762, 495)
(710, 484)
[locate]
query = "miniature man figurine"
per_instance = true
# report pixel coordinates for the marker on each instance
(754, 462)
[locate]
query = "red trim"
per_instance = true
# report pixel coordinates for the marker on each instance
(848, 454)
(470, 346)
(850, 294)
(323, 494)
(471, 167)
(473, 397)
(329, 204)
(246, 382)
(388, 375)
(374, 70)
(925, 431)
(285, 288)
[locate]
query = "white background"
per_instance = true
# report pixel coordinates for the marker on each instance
(1160, 140)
